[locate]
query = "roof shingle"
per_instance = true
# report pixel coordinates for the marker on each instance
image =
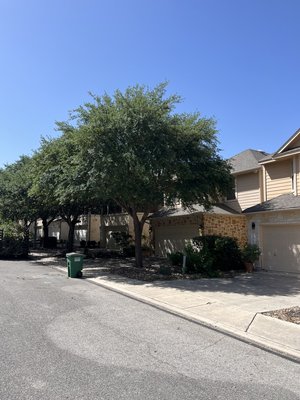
(178, 212)
(247, 160)
(283, 202)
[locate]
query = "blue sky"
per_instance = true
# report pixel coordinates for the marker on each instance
(236, 60)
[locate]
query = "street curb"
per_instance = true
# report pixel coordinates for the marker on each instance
(257, 341)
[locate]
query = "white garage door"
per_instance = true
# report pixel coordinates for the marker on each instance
(169, 239)
(281, 247)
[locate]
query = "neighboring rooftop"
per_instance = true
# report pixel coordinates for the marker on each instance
(291, 146)
(178, 212)
(284, 153)
(247, 160)
(283, 202)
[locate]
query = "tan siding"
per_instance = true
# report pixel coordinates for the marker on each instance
(248, 190)
(279, 178)
(298, 174)
(95, 227)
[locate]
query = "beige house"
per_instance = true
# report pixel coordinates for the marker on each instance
(263, 208)
(94, 227)
(173, 229)
(248, 177)
(274, 222)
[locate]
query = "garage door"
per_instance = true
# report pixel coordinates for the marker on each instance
(173, 238)
(281, 247)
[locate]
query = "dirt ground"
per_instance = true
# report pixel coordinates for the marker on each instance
(286, 314)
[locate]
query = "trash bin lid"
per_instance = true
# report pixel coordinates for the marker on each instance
(74, 254)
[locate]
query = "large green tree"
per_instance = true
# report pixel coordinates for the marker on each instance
(16, 203)
(61, 182)
(139, 152)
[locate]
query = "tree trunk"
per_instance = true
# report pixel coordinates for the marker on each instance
(102, 231)
(35, 234)
(138, 230)
(70, 243)
(45, 229)
(26, 237)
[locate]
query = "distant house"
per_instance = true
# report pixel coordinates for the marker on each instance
(94, 228)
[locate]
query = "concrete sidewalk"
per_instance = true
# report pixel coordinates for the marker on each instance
(232, 306)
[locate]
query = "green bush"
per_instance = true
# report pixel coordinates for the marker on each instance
(129, 251)
(209, 254)
(49, 243)
(13, 248)
(219, 252)
(250, 253)
(176, 258)
(194, 260)
(122, 239)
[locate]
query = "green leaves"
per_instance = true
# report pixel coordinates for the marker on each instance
(132, 148)
(138, 150)
(16, 202)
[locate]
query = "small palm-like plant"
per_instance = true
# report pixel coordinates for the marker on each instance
(250, 253)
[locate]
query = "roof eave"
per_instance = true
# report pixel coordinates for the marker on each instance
(289, 141)
(264, 211)
(246, 170)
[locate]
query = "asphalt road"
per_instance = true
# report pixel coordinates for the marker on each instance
(69, 339)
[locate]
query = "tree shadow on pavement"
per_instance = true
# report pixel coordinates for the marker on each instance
(260, 283)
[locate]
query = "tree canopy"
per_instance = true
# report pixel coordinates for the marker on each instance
(131, 148)
(16, 204)
(142, 154)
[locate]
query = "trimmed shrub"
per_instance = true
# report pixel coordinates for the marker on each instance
(122, 239)
(49, 243)
(175, 258)
(129, 251)
(218, 252)
(13, 248)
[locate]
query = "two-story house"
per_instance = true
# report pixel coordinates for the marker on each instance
(274, 222)
(248, 177)
(265, 202)
(174, 228)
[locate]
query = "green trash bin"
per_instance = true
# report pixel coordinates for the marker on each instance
(74, 264)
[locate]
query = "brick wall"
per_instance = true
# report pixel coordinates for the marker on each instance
(211, 224)
(226, 225)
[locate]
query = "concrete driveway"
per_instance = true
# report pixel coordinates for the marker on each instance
(233, 305)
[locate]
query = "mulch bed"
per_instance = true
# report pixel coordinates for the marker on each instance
(150, 273)
(286, 314)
